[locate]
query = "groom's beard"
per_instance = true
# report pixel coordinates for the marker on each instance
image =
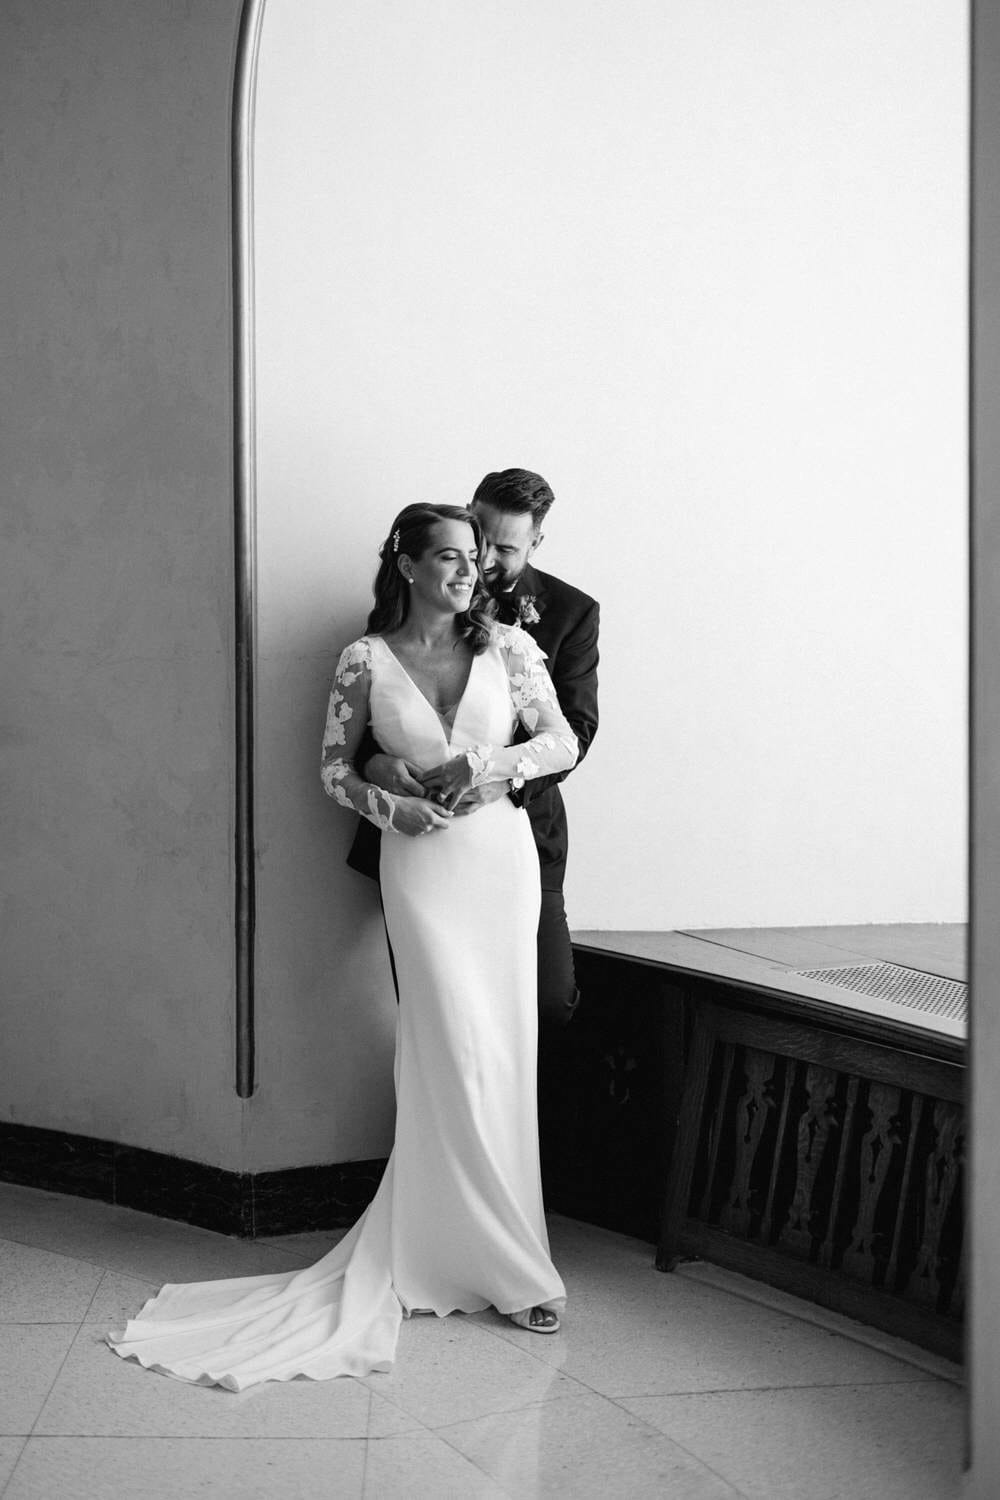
(499, 583)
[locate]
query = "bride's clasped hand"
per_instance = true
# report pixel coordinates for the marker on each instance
(431, 798)
(404, 780)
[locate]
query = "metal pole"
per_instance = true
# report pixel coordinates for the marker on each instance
(244, 524)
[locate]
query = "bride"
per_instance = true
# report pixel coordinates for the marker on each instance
(457, 1222)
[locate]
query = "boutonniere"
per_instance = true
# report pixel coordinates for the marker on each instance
(527, 613)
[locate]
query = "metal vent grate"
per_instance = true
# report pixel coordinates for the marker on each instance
(926, 992)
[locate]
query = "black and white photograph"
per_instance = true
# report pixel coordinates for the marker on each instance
(500, 749)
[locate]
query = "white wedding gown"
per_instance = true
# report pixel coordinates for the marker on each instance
(457, 1221)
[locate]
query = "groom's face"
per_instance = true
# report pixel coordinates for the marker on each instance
(508, 542)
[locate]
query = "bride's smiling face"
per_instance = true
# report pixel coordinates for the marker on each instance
(444, 576)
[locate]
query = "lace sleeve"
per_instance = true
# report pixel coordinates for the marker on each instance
(552, 746)
(346, 718)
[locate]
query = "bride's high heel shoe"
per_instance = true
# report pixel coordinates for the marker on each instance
(536, 1319)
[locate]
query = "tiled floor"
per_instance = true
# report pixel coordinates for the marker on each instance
(695, 1386)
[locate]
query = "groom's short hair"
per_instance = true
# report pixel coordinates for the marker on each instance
(517, 491)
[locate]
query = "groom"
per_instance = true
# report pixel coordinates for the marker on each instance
(510, 507)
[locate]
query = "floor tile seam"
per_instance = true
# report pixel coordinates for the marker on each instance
(547, 1401)
(509, 1411)
(289, 1261)
(477, 1466)
(81, 1325)
(93, 1299)
(585, 1388)
(55, 1379)
(651, 1431)
(511, 1344)
(817, 1320)
(516, 1411)
(690, 1452)
(186, 1437)
(43, 1322)
(421, 1426)
(17, 1462)
(394, 1437)
(763, 1390)
(368, 1437)
(81, 1260)
(84, 1260)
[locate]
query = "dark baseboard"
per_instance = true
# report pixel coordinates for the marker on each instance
(240, 1203)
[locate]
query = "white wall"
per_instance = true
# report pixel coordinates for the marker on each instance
(701, 266)
(116, 717)
(704, 268)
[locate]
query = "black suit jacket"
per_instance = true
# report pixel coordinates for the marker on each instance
(566, 629)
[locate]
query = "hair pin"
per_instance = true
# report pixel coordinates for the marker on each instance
(395, 540)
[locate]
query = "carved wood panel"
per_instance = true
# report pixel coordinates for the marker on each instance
(860, 1176)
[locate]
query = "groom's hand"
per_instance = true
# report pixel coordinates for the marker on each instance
(481, 796)
(393, 774)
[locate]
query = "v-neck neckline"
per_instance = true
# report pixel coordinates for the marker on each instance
(439, 720)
